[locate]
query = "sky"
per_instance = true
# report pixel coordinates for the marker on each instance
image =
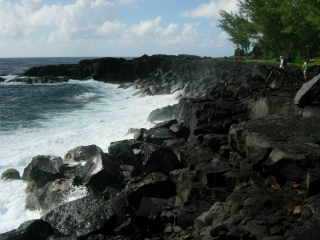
(80, 28)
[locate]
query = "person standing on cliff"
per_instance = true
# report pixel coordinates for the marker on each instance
(283, 63)
(305, 70)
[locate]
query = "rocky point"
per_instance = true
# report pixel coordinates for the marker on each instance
(237, 158)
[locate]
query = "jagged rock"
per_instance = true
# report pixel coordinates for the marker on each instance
(158, 135)
(123, 152)
(83, 216)
(49, 196)
(214, 141)
(108, 177)
(183, 178)
(163, 114)
(36, 229)
(152, 207)
(204, 117)
(154, 185)
(206, 218)
(43, 169)
(89, 165)
(308, 93)
(10, 174)
(166, 124)
(159, 159)
(287, 146)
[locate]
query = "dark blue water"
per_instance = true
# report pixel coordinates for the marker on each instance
(22, 106)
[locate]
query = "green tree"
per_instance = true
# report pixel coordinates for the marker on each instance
(239, 29)
(286, 27)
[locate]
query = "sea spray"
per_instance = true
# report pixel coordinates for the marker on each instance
(99, 115)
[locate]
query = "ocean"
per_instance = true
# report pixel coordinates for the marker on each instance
(45, 119)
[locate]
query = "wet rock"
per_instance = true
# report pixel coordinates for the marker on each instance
(306, 231)
(163, 114)
(82, 217)
(271, 142)
(154, 185)
(88, 165)
(308, 93)
(159, 159)
(123, 152)
(183, 178)
(152, 207)
(36, 229)
(158, 135)
(206, 218)
(43, 169)
(215, 141)
(10, 174)
(203, 116)
(49, 196)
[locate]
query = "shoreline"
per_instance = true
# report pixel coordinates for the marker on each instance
(240, 159)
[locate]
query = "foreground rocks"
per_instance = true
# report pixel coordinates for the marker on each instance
(240, 161)
(37, 229)
(10, 174)
(163, 114)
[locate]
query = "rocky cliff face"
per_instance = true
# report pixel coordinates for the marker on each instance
(240, 161)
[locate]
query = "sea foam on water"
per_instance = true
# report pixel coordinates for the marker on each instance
(107, 114)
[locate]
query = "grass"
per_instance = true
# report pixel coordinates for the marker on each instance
(296, 63)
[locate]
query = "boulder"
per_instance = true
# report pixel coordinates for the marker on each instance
(154, 185)
(10, 174)
(35, 229)
(43, 169)
(109, 177)
(205, 116)
(88, 165)
(163, 114)
(2, 79)
(159, 159)
(308, 93)
(152, 207)
(82, 217)
(158, 135)
(285, 146)
(49, 196)
(123, 152)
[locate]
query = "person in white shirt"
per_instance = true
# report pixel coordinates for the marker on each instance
(305, 70)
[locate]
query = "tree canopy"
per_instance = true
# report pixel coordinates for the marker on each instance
(286, 27)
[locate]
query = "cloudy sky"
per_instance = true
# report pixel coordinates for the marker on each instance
(42, 28)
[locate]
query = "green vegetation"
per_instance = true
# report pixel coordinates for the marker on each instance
(270, 28)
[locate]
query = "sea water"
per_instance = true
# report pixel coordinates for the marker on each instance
(50, 119)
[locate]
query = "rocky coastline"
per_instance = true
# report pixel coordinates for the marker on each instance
(237, 158)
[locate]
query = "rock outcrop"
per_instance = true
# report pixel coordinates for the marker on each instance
(163, 114)
(10, 174)
(309, 92)
(240, 161)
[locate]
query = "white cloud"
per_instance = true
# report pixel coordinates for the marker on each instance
(147, 27)
(21, 18)
(148, 31)
(93, 27)
(212, 8)
(111, 28)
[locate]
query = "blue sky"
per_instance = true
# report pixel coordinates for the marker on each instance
(43, 28)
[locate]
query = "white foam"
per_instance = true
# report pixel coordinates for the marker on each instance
(12, 205)
(100, 122)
